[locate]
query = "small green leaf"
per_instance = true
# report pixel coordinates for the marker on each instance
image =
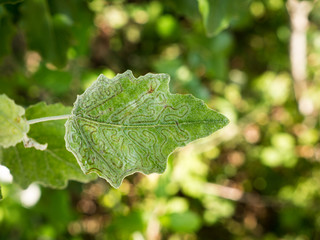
(218, 14)
(186, 222)
(124, 125)
(51, 167)
(13, 126)
(0, 194)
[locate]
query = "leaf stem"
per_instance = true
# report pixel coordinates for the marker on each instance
(51, 118)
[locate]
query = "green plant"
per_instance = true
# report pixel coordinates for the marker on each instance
(117, 127)
(256, 179)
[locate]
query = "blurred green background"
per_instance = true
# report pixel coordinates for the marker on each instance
(258, 178)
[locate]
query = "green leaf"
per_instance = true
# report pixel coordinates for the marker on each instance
(134, 222)
(0, 194)
(37, 23)
(124, 125)
(217, 15)
(13, 126)
(7, 30)
(186, 222)
(184, 7)
(52, 167)
(47, 33)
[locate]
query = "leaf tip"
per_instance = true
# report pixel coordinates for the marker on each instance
(114, 182)
(225, 120)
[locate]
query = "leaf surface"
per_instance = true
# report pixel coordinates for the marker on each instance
(124, 125)
(13, 125)
(52, 167)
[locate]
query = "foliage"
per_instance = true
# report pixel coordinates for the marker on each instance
(258, 178)
(117, 127)
(217, 15)
(51, 167)
(13, 126)
(125, 125)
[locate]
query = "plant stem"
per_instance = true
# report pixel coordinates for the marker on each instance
(298, 13)
(45, 119)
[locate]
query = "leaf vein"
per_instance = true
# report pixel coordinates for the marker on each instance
(150, 125)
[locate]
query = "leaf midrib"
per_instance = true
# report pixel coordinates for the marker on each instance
(150, 125)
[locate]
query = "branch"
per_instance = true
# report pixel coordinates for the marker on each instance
(298, 12)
